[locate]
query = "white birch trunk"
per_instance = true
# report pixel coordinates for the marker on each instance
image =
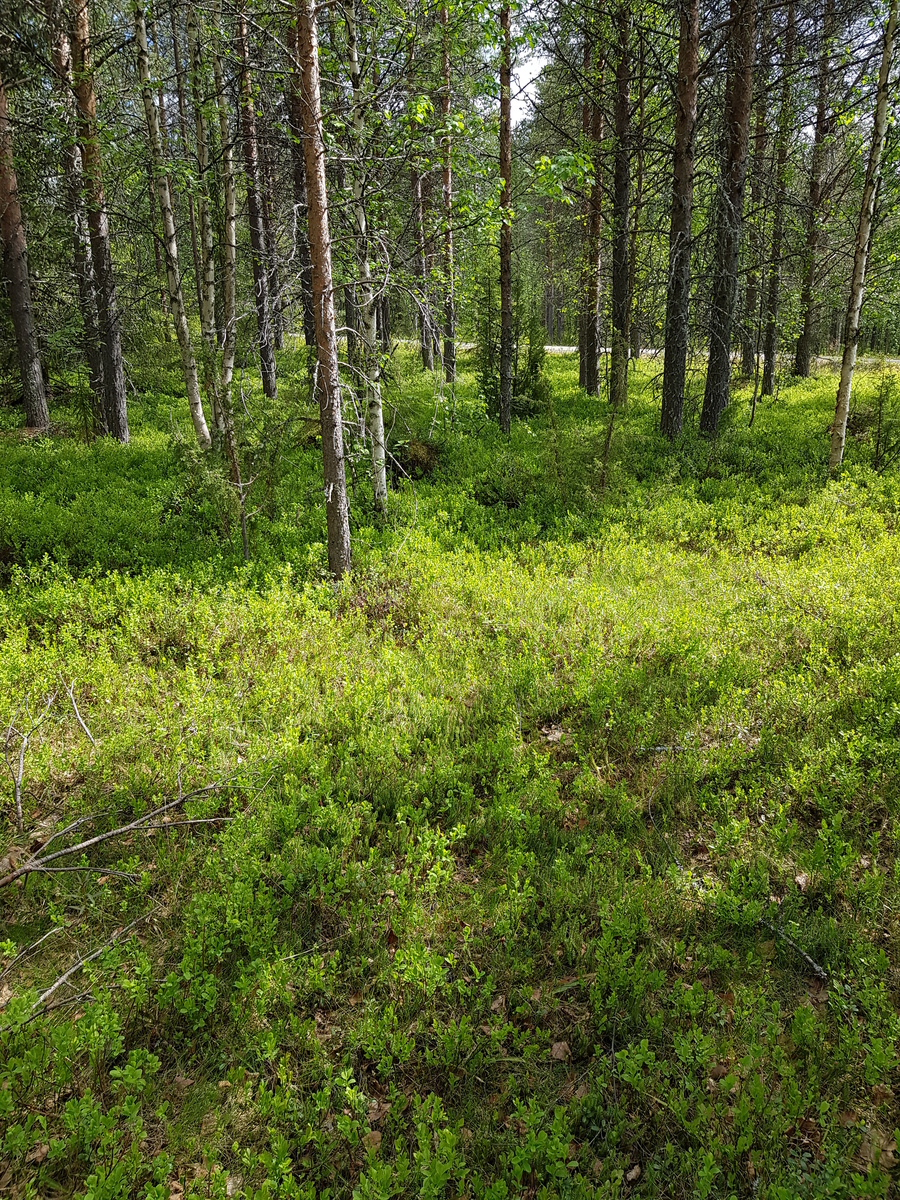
(170, 241)
(861, 254)
(368, 323)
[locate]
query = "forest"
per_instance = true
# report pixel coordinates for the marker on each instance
(449, 574)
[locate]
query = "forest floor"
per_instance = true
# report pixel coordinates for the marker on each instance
(555, 853)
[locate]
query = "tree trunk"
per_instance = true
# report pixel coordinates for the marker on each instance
(678, 297)
(185, 144)
(301, 207)
(814, 214)
(329, 384)
(366, 309)
(114, 393)
(781, 187)
(750, 324)
(447, 198)
(268, 191)
(255, 217)
(229, 295)
(81, 246)
(425, 320)
(170, 244)
(506, 306)
(207, 269)
(731, 210)
(15, 262)
(621, 301)
(634, 315)
(861, 252)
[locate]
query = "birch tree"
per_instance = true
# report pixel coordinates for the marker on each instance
(366, 311)
(170, 241)
(506, 308)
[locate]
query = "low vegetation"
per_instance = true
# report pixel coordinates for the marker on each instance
(553, 853)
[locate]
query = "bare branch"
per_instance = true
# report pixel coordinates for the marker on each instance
(70, 689)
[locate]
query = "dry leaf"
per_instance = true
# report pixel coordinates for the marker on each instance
(183, 1083)
(103, 879)
(880, 1093)
(355, 998)
(175, 1189)
(535, 995)
(392, 941)
(224, 1085)
(634, 1174)
(372, 1140)
(559, 1051)
(847, 1118)
(581, 1092)
(552, 733)
(719, 1071)
(5, 995)
(878, 1149)
(802, 881)
(37, 1154)
(498, 1004)
(233, 1185)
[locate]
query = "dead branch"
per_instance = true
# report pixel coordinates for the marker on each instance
(24, 738)
(70, 689)
(76, 967)
(37, 863)
(28, 950)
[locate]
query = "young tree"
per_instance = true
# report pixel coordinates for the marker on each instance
(328, 378)
(15, 262)
(170, 244)
(506, 306)
(447, 198)
(678, 294)
(731, 210)
(861, 248)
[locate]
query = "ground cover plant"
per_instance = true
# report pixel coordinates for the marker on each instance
(552, 853)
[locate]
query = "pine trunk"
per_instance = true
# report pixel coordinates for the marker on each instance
(678, 297)
(814, 214)
(329, 384)
(770, 345)
(621, 203)
(301, 205)
(861, 251)
(15, 263)
(255, 217)
(114, 393)
(731, 210)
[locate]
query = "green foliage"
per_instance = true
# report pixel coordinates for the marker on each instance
(526, 835)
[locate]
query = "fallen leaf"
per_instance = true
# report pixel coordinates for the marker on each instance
(719, 1071)
(103, 879)
(880, 1093)
(392, 941)
(847, 1118)
(183, 1083)
(372, 1140)
(498, 1004)
(559, 1051)
(802, 881)
(355, 998)
(552, 733)
(37, 1154)
(5, 995)
(175, 1189)
(208, 1124)
(224, 1085)
(596, 1167)
(634, 1174)
(535, 995)
(581, 1092)
(878, 1149)
(233, 1185)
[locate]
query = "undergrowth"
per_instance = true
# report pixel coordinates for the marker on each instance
(553, 854)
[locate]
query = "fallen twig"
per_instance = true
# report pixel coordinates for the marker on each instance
(80, 719)
(34, 864)
(18, 774)
(76, 967)
(28, 949)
